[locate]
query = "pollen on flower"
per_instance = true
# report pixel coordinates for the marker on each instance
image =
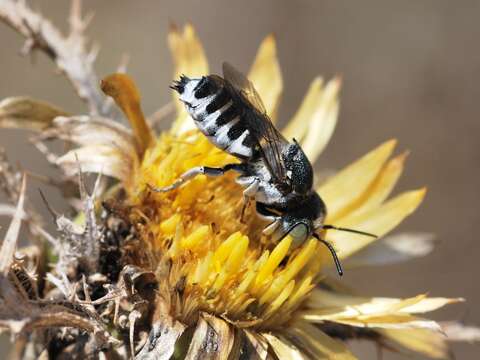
(227, 267)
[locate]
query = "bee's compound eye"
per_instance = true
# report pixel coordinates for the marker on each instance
(299, 234)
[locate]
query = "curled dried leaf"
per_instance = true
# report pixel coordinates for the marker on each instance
(27, 113)
(126, 95)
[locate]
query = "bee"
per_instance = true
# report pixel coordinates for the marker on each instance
(274, 172)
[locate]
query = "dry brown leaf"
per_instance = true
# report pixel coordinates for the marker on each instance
(27, 113)
(212, 339)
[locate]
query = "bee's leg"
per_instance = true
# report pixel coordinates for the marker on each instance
(248, 193)
(265, 213)
(272, 227)
(199, 170)
(269, 215)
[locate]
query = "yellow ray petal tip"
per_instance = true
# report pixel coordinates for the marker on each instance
(317, 83)
(422, 192)
(269, 40)
(337, 82)
(416, 196)
(392, 143)
(172, 27)
(400, 159)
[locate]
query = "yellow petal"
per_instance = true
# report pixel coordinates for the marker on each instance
(395, 321)
(293, 268)
(169, 226)
(424, 341)
(126, 95)
(251, 275)
(196, 238)
(348, 185)
(298, 126)
(429, 304)
(300, 291)
(377, 221)
(225, 248)
(233, 263)
(362, 316)
(280, 299)
(202, 272)
(266, 76)
(381, 187)
(267, 269)
(187, 52)
(189, 59)
(372, 312)
(283, 348)
(322, 121)
(312, 340)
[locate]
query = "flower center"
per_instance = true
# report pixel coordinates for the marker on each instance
(210, 260)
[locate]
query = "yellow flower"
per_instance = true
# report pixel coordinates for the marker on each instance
(216, 272)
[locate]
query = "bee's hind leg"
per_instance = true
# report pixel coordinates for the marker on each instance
(198, 170)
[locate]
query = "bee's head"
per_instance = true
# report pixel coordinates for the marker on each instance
(300, 222)
(307, 221)
(299, 169)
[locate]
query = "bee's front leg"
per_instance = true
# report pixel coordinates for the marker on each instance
(268, 215)
(248, 193)
(199, 170)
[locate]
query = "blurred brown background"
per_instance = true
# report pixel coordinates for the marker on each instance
(410, 71)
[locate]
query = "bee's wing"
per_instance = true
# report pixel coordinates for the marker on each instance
(269, 140)
(241, 83)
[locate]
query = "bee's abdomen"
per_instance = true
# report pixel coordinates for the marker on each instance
(216, 114)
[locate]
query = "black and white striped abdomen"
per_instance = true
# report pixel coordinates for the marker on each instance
(216, 114)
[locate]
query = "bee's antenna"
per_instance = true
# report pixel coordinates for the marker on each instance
(332, 251)
(327, 227)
